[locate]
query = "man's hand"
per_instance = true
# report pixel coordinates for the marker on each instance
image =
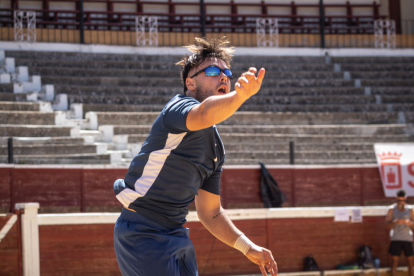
(263, 258)
(248, 85)
(408, 222)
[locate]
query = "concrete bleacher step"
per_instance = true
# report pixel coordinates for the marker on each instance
(122, 108)
(392, 90)
(134, 91)
(264, 107)
(26, 106)
(120, 100)
(125, 118)
(110, 72)
(267, 118)
(293, 130)
(388, 82)
(257, 100)
(303, 138)
(74, 56)
(52, 149)
(27, 117)
(286, 161)
(103, 90)
(102, 72)
(332, 155)
(391, 107)
(328, 99)
(310, 130)
(27, 141)
(390, 67)
(6, 88)
(372, 60)
(87, 158)
(137, 91)
(306, 161)
(318, 118)
(157, 81)
(22, 130)
(237, 65)
(359, 146)
(400, 75)
(7, 97)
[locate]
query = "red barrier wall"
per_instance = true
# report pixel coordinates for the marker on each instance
(9, 249)
(88, 189)
(88, 249)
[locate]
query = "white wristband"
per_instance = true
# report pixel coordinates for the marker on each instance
(243, 244)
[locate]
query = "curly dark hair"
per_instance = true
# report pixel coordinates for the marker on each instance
(202, 49)
(401, 193)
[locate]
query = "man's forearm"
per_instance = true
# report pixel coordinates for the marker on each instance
(222, 227)
(214, 110)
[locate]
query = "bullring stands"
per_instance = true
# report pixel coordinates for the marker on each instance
(332, 108)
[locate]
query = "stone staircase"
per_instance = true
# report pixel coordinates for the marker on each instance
(47, 137)
(333, 108)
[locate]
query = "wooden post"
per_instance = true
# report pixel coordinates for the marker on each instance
(322, 23)
(293, 12)
(264, 8)
(395, 14)
(203, 18)
(349, 15)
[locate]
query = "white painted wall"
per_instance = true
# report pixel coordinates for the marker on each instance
(37, 5)
(5, 4)
(407, 10)
(101, 7)
(65, 6)
(191, 9)
(155, 8)
(121, 7)
(383, 10)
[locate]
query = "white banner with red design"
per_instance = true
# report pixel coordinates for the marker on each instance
(396, 166)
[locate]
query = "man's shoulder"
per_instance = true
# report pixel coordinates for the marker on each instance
(392, 206)
(179, 99)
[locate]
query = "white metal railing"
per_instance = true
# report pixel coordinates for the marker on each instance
(31, 220)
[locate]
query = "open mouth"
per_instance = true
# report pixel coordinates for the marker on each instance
(222, 90)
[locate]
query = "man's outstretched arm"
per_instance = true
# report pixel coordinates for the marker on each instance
(214, 218)
(216, 109)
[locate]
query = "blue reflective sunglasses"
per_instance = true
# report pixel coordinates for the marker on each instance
(214, 71)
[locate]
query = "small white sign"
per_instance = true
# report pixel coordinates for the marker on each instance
(356, 215)
(341, 215)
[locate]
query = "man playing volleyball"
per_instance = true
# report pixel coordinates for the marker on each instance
(181, 161)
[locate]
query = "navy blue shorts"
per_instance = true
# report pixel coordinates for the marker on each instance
(145, 248)
(396, 247)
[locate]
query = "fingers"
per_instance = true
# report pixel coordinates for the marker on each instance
(251, 74)
(262, 269)
(242, 79)
(270, 262)
(261, 75)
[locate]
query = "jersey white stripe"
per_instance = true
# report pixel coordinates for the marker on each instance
(155, 163)
(151, 171)
(127, 196)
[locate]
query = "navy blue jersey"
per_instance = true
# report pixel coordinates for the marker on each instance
(172, 165)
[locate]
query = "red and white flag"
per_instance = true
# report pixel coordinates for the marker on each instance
(396, 166)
